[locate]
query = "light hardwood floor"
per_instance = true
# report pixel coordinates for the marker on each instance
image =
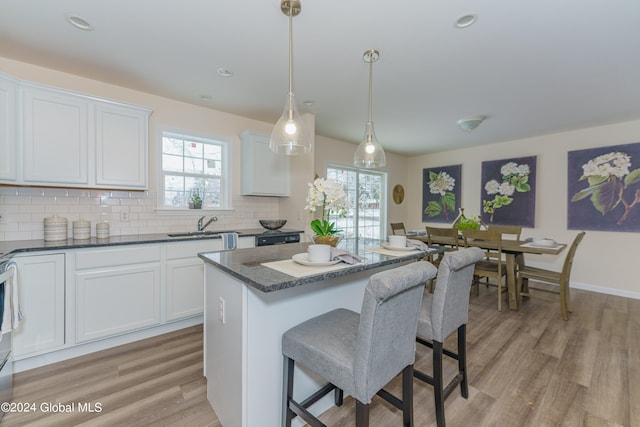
(527, 368)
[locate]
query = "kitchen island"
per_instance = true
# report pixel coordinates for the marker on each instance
(248, 306)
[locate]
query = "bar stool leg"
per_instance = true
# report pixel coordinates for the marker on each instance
(437, 383)
(462, 360)
(362, 414)
(287, 395)
(407, 396)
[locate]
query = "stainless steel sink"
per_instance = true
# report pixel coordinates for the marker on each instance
(192, 234)
(204, 233)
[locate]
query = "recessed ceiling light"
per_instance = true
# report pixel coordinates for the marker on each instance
(466, 20)
(78, 22)
(206, 97)
(308, 103)
(224, 72)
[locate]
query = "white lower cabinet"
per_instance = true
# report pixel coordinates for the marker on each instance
(116, 291)
(94, 297)
(42, 293)
(184, 274)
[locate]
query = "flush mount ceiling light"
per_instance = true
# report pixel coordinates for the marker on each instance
(224, 72)
(290, 136)
(470, 123)
(466, 20)
(369, 153)
(79, 23)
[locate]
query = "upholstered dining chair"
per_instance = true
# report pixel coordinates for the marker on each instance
(398, 228)
(442, 313)
(560, 278)
(360, 353)
(492, 267)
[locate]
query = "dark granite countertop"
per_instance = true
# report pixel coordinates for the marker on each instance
(246, 264)
(9, 248)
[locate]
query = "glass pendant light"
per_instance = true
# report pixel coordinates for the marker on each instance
(370, 153)
(290, 135)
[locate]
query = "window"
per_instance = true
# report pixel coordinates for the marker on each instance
(365, 189)
(193, 166)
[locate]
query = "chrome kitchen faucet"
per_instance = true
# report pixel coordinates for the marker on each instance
(201, 227)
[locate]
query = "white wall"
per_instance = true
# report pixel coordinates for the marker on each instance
(605, 261)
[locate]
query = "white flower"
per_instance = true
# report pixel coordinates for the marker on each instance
(443, 183)
(510, 168)
(614, 163)
(492, 187)
(506, 189)
(328, 194)
(523, 170)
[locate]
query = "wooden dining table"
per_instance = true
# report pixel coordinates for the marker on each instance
(514, 251)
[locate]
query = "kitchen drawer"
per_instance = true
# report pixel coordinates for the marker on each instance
(117, 256)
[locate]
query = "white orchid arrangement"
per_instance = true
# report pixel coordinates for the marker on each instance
(515, 177)
(329, 195)
(608, 176)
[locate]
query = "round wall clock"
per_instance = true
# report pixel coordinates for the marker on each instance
(398, 194)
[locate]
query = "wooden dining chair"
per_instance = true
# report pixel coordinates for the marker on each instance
(398, 228)
(447, 238)
(512, 231)
(509, 232)
(560, 278)
(492, 267)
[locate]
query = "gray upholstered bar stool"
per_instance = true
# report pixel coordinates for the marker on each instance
(360, 353)
(442, 313)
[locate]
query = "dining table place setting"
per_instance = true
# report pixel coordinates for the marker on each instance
(541, 242)
(399, 246)
(318, 259)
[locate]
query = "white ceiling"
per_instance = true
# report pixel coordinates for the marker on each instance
(532, 67)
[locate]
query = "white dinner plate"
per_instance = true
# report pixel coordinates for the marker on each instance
(544, 243)
(397, 248)
(303, 259)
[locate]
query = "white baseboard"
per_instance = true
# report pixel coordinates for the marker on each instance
(603, 290)
(82, 349)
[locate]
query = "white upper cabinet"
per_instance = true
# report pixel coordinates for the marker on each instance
(8, 129)
(121, 146)
(55, 137)
(264, 173)
(68, 139)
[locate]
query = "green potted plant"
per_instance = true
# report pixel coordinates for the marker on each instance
(462, 222)
(195, 201)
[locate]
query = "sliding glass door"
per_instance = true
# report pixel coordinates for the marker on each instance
(366, 190)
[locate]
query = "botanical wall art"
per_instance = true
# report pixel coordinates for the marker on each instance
(508, 191)
(441, 193)
(604, 188)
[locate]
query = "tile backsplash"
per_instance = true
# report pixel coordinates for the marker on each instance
(23, 210)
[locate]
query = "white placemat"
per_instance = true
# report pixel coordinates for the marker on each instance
(389, 252)
(294, 269)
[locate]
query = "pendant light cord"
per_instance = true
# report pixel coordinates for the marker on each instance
(370, 87)
(290, 61)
